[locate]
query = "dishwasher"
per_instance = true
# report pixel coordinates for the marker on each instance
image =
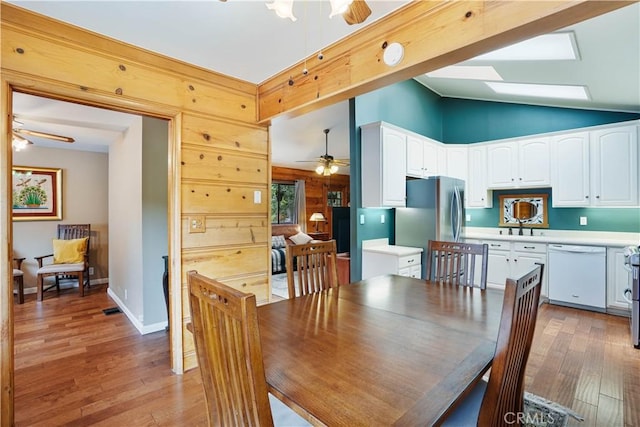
(577, 276)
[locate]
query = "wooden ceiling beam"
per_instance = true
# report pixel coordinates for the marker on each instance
(434, 34)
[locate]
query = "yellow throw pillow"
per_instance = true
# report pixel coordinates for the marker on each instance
(69, 251)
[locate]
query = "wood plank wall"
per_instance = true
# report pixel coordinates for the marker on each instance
(316, 188)
(220, 155)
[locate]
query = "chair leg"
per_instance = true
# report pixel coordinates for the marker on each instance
(81, 283)
(20, 282)
(39, 294)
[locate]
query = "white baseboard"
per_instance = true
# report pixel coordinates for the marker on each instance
(143, 329)
(67, 285)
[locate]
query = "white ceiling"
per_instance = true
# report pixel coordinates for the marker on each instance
(242, 38)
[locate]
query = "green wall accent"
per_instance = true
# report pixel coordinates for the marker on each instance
(598, 219)
(412, 106)
(408, 104)
(466, 121)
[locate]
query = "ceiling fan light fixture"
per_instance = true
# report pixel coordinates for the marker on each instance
(19, 143)
(338, 7)
(282, 8)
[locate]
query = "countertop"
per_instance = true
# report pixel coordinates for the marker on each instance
(382, 246)
(568, 237)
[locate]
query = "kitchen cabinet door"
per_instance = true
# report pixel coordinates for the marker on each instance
(499, 264)
(383, 166)
(502, 159)
(618, 279)
(614, 166)
(415, 149)
(533, 162)
(476, 195)
(457, 162)
(570, 170)
(423, 156)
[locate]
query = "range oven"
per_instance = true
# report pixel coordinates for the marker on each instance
(632, 295)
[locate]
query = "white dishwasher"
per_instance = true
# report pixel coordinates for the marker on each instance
(577, 276)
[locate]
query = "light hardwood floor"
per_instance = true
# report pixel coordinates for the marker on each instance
(76, 366)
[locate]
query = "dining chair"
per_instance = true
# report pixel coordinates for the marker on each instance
(224, 322)
(70, 258)
(18, 278)
(500, 401)
(315, 267)
(455, 263)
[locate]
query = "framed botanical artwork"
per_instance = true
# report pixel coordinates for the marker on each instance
(37, 193)
(527, 210)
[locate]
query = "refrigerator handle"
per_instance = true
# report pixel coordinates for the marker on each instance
(456, 214)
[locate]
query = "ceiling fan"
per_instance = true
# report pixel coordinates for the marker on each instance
(327, 164)
(353, 11)
(19, 141)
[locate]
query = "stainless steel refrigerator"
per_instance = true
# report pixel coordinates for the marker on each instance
(434, 212)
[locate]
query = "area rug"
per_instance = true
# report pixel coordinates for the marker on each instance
(540, 412)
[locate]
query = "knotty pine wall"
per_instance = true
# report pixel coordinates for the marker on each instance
(316, 188)
(220, 156)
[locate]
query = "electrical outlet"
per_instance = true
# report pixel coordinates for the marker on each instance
(382, 219)
(467, 217)
(90, 271)
(257, 197)
(583, 220)
(361, 219)
(197, 224)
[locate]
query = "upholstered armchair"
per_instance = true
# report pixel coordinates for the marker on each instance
(70, 258)
(18, 278)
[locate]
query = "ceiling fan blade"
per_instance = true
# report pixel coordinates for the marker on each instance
(357, 12)
(45, 135)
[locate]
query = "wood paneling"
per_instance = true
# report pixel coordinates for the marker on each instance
(316, 187)
(434, 34)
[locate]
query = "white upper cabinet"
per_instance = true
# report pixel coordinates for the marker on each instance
(457, 162)
(383, 166)
(596, 168)
(423, 156)
(570, 170)
(614, 166)
(516, 164)
(476, 194)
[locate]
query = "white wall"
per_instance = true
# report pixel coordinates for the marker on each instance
(84, 201)
(125, 221)
(155, 240)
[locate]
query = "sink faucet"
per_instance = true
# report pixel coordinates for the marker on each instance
(510, 231)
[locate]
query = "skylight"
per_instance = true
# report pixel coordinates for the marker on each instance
(468, 72)
(547, 47)
(540, 90)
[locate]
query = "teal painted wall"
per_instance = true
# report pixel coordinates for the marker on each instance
(598, 219)
(465, 121)
(414, 107)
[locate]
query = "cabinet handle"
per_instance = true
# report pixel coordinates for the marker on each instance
(597, 197)
(511, 179)
(515, 260)
(575, 296)
(586, 197)
(507, 259)
(529, 247)
(520, 179)
(495, 245)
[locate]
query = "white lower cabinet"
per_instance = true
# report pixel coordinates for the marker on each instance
(509, 259)
(618, 279)
(401, 260)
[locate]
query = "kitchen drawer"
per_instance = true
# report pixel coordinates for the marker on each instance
(540, 248)
(499, 245)
(409, 260)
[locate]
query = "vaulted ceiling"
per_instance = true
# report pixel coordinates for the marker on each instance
(246, 40)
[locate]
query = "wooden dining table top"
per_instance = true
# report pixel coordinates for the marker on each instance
(389, 350)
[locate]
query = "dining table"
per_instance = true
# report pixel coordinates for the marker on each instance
(388, 350)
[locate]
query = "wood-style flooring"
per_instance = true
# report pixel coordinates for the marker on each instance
(76, 366)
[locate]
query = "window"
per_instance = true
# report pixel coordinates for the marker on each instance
(334, 198)
(282, 203)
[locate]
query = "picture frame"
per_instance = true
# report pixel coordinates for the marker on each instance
(535, 204)
(36, 193)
